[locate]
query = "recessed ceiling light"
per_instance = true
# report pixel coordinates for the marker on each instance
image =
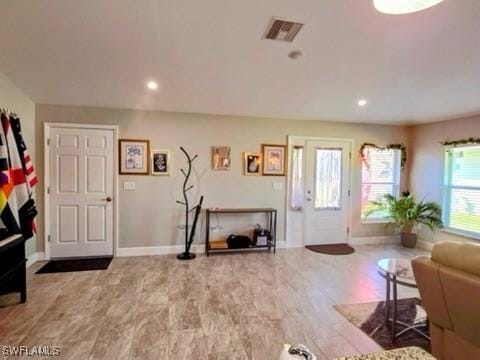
(398, 7)
(295, 54)
(152, 85)
(362, 102)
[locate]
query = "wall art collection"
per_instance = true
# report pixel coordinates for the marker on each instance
(133, 157)
(160, 162)
(252, 163)
(221, 157)
(274, 160)
(136, 158)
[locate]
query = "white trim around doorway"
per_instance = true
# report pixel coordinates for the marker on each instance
(46, 162)
(292, 140)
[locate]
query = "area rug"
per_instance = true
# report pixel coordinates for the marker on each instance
(370, 318)
(332, 249)
(70, 265)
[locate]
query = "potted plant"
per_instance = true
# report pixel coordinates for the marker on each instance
(405, 213)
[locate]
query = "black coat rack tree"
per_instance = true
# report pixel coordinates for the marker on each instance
(189, 235)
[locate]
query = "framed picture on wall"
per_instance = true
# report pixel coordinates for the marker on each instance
(160, 162)
(274, 160)
(133, 157)
(221, 157)
(251, 163)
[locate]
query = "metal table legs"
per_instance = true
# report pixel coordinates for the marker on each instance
(387, 300)
(394, 315)
(391, 282)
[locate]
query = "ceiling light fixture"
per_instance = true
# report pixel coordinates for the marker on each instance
(398, 7)
(152, 85)
(362, 102)
(295, 54)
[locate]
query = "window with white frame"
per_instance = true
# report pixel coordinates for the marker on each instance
(461, 206)
(380, 176)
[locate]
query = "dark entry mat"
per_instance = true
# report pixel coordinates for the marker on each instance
(332, 249)
(70, 265)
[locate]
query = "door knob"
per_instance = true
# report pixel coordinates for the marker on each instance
(107, 199)
(309, 199)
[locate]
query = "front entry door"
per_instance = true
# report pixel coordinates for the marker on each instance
(81, 192)
(327, 179)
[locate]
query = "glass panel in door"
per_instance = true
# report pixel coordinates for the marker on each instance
(328, 178)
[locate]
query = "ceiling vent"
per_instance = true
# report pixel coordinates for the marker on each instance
(283, 30)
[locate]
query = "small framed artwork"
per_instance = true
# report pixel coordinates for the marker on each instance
(160, 162)
(251, 164)
(274, 160)
(221, 157)
(133, 157)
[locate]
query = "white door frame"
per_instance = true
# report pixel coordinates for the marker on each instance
(46, 208)
(292, 139)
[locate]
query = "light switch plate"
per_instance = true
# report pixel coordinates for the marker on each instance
(278, 186)
(129, 185)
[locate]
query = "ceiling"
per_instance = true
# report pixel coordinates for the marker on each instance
(209, 57)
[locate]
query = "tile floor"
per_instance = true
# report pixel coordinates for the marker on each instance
(240, 306)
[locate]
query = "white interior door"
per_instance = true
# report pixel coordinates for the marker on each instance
(327, 181)
(81, 192)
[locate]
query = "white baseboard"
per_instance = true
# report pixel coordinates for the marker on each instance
(374, 240)
(285, 245)
(176, 249)
(366, 240)
(157, 250)
(200, 248)
(32, 259)
(387, 240)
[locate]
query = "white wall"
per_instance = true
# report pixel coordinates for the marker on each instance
(149, 215)
(13, 98)
(427, 162)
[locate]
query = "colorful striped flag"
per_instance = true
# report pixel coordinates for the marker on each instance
(17, 180)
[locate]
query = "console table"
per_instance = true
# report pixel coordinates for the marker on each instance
(13, 274)
(270, 213)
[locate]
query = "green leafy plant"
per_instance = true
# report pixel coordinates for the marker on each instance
(405, 213)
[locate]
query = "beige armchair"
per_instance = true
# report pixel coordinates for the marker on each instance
(449, 285)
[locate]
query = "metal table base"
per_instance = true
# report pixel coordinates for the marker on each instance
(392, 282)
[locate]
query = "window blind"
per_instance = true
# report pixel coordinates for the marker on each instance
(380, 176)
(462, 189)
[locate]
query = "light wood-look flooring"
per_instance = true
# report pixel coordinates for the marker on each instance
(240, 306)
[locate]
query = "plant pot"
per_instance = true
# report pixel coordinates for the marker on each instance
(409, 240)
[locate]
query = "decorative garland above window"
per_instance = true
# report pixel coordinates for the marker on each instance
(455, 143)
(400, 147)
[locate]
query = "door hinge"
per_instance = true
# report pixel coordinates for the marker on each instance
(348, 192)
(350, 155)
(348, 230)
(48, 189)
(49, 238)
(48, 142)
